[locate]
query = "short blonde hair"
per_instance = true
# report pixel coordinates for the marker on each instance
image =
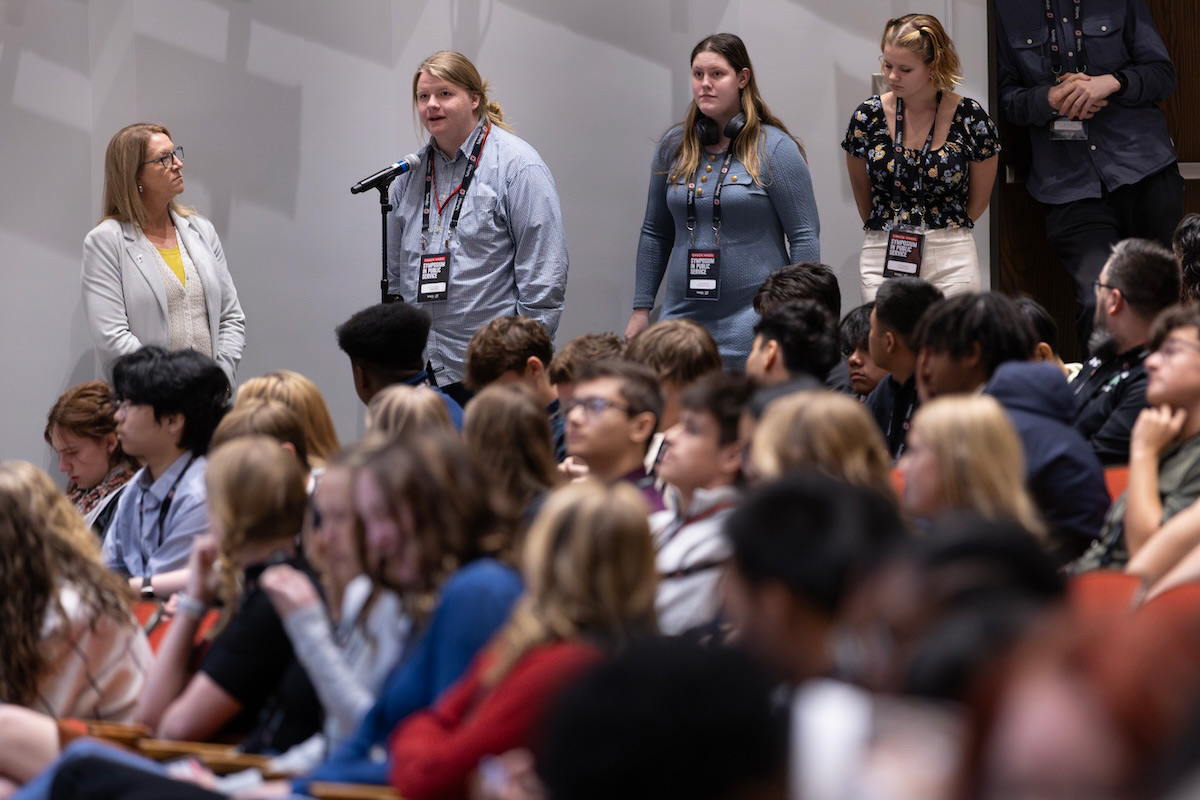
(302, 396)
(829, 432)
(980, 458)
(123, 161)
(924, 35)
(454, 67)
(400, 410)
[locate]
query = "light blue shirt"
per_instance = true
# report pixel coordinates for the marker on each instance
(135, 544)
(509, 255)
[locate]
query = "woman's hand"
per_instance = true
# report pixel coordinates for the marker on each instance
(1154, 430)
(290, 589)
(202, 583)
(638, 322)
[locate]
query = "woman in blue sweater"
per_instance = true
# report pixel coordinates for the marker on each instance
(730, 201)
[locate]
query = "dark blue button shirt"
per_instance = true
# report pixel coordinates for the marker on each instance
(1128, 139)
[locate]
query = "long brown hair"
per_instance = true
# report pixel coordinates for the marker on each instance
(123, 160)
(588, 564)
(44, 542)
(302, 396)
(748, 143)
(508, 433)
(924, 35)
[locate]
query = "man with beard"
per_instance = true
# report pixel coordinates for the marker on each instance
(1139, 280)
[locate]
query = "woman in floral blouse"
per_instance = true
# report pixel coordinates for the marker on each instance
(922, 162)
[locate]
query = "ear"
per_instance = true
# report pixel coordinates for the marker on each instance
(174, 424)
(890, 342)
(1043, 352)
(729, 458)
(1116, 301)
(475, 99)
(642, 427)
(771, 355)
(975, 357)
(743, 77)
(110, 443)
(291, 448)
(534, 368)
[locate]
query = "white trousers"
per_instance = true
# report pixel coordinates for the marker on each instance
(949, 261)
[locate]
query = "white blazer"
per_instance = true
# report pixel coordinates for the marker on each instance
(126, 303)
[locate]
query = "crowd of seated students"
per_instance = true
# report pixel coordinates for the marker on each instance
(602, 574)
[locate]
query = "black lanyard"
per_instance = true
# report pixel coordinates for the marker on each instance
(1056, 59)
(899, 156)
(163, 508)
(716, 214)
(461, 191)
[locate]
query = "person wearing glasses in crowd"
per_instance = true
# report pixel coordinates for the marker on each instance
(154, 272)
(730, 201)
(922, 161)
(477, 232)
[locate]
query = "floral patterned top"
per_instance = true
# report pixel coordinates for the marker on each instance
(945, 179)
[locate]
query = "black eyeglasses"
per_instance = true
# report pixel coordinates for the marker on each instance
(165, 160)
(1096, 284)
(594, 405)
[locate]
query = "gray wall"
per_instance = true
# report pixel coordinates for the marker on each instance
(282, 104)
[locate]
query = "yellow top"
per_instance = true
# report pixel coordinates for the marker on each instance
(175, 262)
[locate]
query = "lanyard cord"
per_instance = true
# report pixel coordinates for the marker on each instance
(716, 213)
(162, 511)
(898, 150)
(1056, 59)
(461, 191)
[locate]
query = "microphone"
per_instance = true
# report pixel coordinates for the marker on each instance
(387, 174)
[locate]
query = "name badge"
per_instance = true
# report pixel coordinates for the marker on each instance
(904, 249)
(704, 275)
(1068, 130)
(433, 284)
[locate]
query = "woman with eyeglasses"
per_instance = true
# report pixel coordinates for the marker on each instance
(154, 271)
(922, 162)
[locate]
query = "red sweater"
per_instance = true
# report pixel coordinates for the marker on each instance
(433, 752)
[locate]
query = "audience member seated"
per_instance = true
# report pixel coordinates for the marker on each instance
(265, 417)
(517, 349)
(795, 345)
(168, 406)
(71, 646)
(666, 718)
(589, 572)
(432, 533)
(82, 429)
(899, 305)
(861, 370)
(386, 345)
(1062, 472)
(702, 467)
(961, 340)
(508, 434)
(1186, 244)
(400, 411)
(1139, 280)
(350, 652)
(249, 679)
(304, 398)
(678, 351)
(821, 431)
(963, 454)
(1155, 522)
(611, 420)
(1045, 330)
(806, 281)
(585, 349)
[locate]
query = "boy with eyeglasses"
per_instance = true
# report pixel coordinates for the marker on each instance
(1164, 457)
(610, 421)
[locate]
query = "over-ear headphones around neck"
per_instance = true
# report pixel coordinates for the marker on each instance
(706, 129)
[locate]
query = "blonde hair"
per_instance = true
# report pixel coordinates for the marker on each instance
(43, 543)
(980, 459)
(256, 495)
(454, 67)
(267, 417)
(302, 396)
(923, 35)
(401, 410)
(747, 144)
(127, 152)
(589, 571)
(830, 432)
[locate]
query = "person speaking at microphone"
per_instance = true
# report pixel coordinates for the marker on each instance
(477, 230)
(730, 201)
(922, 161)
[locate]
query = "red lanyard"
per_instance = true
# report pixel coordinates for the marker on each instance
(460, 192)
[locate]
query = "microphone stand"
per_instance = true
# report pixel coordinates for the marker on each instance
(385, 207)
